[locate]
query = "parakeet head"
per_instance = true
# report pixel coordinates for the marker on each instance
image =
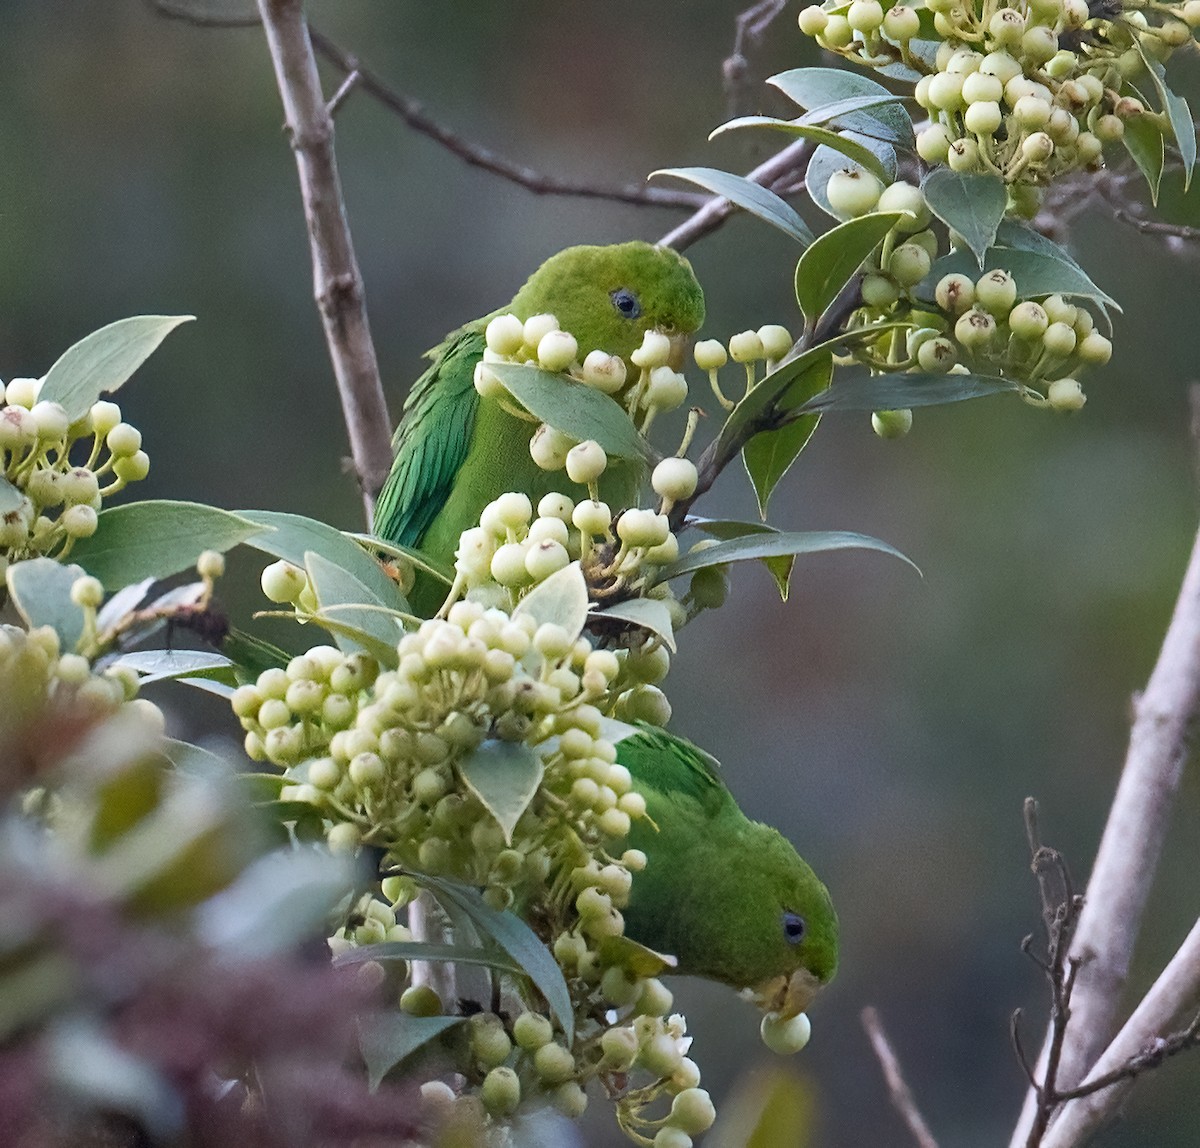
(609, 297)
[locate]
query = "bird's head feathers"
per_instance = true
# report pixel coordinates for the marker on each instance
(609, 297)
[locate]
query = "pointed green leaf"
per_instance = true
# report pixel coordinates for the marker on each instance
(780, 567)
(896, 392)
(159, 665)
(505, 777)
(831, 262)
(517, 939)
(814, 88)
(579, 411)
(1037, 274)
(769, 455)
(774, 545)
(827, 159)
(1144, 141)
(291, 536)
(748, 195)
(155, 539)
(387, 1039)
(338, 594)
(844, 144)
(649, 613)
(562, 599)
(972, 204)
(102, 361)
(41, 592)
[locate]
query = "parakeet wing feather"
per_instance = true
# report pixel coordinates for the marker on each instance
(432, 440)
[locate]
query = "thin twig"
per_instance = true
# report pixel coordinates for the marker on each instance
(1132, 842)
(1136, 1048)
(898, 1091)
(337, 284)
(415, 116)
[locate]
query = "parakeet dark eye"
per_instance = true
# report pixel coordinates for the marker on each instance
(793, 928)
(626, 302)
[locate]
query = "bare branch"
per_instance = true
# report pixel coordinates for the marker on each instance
(337, 284)
(1132, 842)
(415, 116)
(1136, 1048)
(899, 1092)
(780, 168)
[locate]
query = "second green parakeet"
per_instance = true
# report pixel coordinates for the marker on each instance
(456, 451)
(728, 897)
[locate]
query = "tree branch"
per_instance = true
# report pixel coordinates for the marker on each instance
(1132, 842)
(337, 284)
(415, 116)
(898, 1091)
(782, 166)
(1137, 1047)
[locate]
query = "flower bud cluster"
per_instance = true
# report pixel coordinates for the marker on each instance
(56, 499)
(1030, 90)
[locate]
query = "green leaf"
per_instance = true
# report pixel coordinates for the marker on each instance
(281, 899)
(831, 262)
(898, 391)
(748, 195)
(1144, 141)
(291, 536)
(971, 204)
(1037, 274)
(844, 144)
(505, 777)
(648, 613)
(155, 539)
(102, 361)
(387, 1039)
(769, 455)
(340, 594)
(760, 400)
(159, 665)
(814, 88)
(1178, 114)
(826, 160)
(41, 592)
(562, 599)
(774, 545)
(517, 939)
(435, 954)
(779, 567)
(580, 412)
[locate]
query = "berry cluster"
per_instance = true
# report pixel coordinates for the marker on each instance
(55, 500)
(1030, 90)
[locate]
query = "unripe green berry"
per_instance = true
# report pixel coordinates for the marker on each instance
(505, 335)
(693, 1111)
(892, 424)
(1066, 395)
(785, 1035)
(556, 350)
(1059, 339)
(901, 23)
(537, 327)
(655, 351)
(851, 192)
(604, 372)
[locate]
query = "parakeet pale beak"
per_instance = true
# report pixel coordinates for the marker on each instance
(679, 346)
(787, 996)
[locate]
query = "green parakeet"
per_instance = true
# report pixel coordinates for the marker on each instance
(728, 897)
(456, 451)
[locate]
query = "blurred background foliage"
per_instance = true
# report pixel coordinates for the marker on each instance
(890, 726)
